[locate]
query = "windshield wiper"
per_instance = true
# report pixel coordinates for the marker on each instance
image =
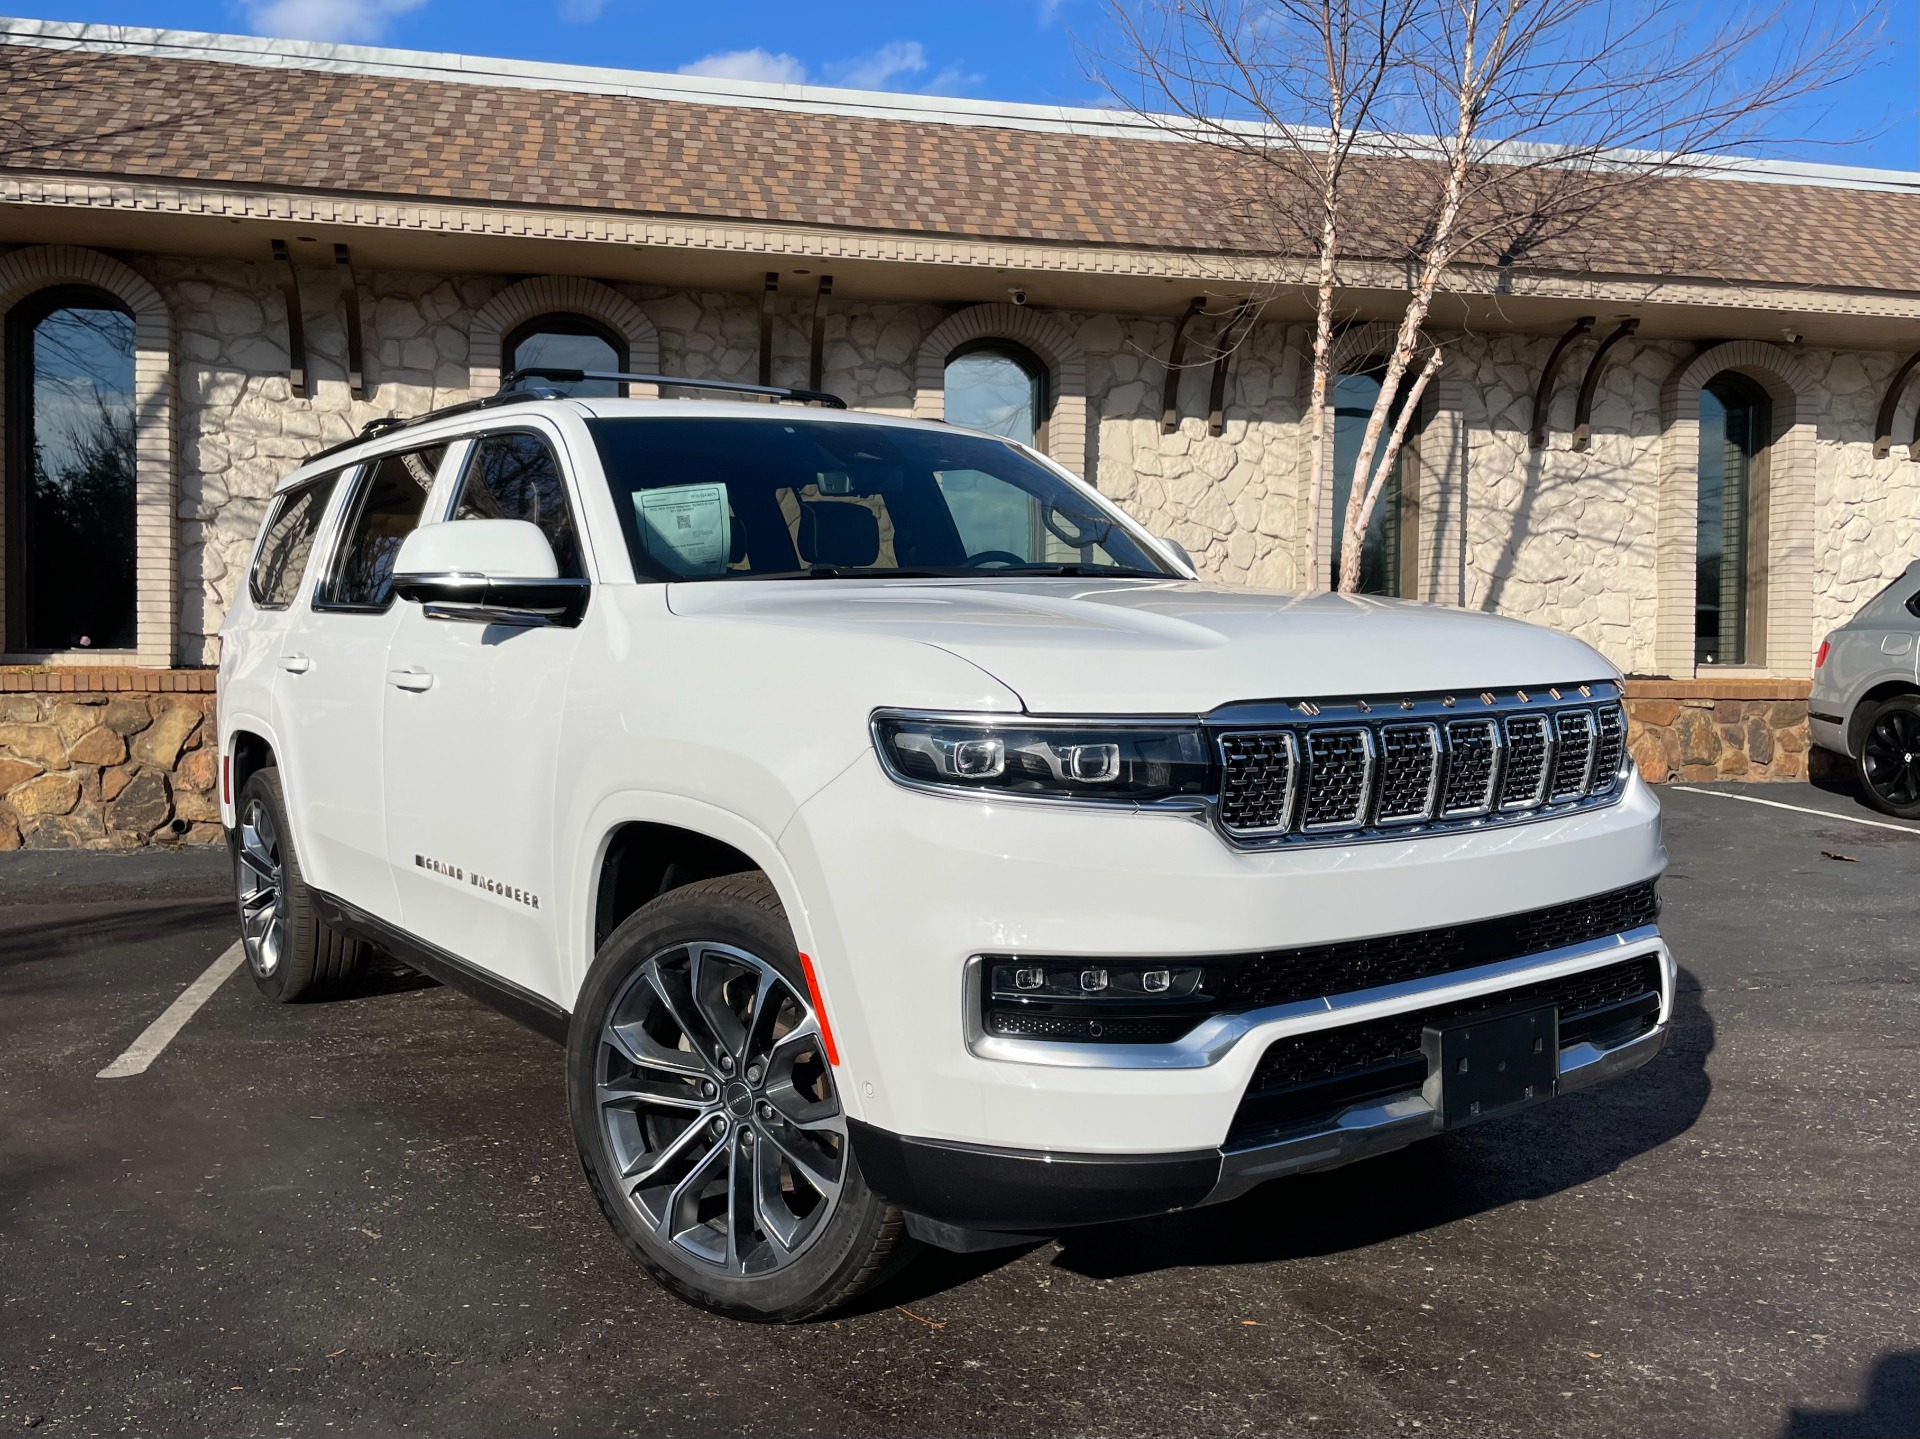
(1098, 572)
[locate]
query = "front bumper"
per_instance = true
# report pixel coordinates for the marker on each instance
(976, 1187)
(900, 892)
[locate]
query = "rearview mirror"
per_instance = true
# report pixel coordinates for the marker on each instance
(494, 572)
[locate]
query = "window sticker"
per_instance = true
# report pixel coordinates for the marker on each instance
(686, 529)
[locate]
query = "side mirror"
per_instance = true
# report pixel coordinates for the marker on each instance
(1179, 553)
(490, 572)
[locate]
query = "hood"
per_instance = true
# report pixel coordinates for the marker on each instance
(1069, 646)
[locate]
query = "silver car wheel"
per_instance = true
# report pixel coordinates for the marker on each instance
(259, 879)
(718, 1109)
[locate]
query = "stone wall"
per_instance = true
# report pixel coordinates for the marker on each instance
(1559, 537)
(114, 768)
(1725, 729)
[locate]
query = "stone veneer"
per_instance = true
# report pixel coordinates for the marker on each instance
(107, 759)
(1563, 538)
(1733, 728)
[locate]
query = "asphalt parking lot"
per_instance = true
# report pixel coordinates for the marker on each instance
(365, 1217)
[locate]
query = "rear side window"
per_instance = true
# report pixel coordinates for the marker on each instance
(287, 542)
(385, 511)
(517, 477)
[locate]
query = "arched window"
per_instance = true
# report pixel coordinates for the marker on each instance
(1735, 425)
(1000, 387)
(567, 342)
(70, 471)
(1387, 552)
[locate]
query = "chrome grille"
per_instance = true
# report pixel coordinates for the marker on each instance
(1409, 773)
(1529, 752)
(1473, 765)
(1573, 760)
(1316, 771)
(1609, 748)
(1339, 776)
(1256, 781)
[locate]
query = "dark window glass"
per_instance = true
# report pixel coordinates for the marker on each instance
(1354, 398)
(1734, 420)
(287, 541)
(70, 472)
(752, 498)
(517, 477)
(568, 342)
(1000, 388)
(385, 511)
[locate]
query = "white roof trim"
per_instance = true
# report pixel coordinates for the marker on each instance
(749, 94)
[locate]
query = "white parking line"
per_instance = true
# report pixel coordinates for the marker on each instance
(1796, 808)
(158, 1035)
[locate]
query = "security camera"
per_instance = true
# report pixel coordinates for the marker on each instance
(1792, 337)
(1017, 295)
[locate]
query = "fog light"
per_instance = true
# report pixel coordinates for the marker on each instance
(1093, 980)
(1156, 981)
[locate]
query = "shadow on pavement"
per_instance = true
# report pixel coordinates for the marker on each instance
(1556, 1147)
(1891, 1409)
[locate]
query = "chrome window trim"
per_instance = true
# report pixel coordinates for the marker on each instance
(1217, 1036)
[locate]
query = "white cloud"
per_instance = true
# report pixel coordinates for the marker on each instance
(875, 70)
(750, 65)
(359, 20)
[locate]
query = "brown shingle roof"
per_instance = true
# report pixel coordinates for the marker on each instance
(201, 121)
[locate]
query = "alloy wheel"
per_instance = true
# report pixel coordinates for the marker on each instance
(718, 1108)
(1892, 756)
(260, 880)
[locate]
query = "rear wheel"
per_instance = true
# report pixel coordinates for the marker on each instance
(1889, 762)
(708, 1117)
(290, 953)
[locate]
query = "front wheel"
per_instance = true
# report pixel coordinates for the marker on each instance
(708, 1117)
(291, 953)
(1889, 762)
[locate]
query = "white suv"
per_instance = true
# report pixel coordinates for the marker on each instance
(900, 840)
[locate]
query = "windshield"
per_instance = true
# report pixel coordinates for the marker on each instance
(709, 499)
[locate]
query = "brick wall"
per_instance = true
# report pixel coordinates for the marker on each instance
(107, 759)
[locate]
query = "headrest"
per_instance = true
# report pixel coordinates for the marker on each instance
(838, 532)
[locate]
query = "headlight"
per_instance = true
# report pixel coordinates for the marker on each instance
(1125, 762)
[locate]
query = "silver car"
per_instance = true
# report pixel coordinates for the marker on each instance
(1866, 696)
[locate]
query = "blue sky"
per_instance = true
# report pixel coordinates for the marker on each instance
(993, 49)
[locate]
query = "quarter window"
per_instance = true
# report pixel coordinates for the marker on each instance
(516, 476)
(287, 542)
(70, 472)
(385, 511)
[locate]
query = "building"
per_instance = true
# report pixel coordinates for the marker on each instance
(219, 254)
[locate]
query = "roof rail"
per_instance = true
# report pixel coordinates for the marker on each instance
(387, 424)
(511, 384)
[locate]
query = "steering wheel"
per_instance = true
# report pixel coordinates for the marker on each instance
(992, 557)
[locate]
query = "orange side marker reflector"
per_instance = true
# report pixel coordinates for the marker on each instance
(226, 779)
(820, 1009)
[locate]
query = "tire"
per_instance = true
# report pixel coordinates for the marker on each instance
(291, 954)
(1888, 765)
(707, 1117)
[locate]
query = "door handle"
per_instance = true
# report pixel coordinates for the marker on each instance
(415, 680)
(295, 664)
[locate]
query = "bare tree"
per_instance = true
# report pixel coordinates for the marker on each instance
(1437, 136)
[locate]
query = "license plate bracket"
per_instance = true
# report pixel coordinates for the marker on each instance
(1494, 1063)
